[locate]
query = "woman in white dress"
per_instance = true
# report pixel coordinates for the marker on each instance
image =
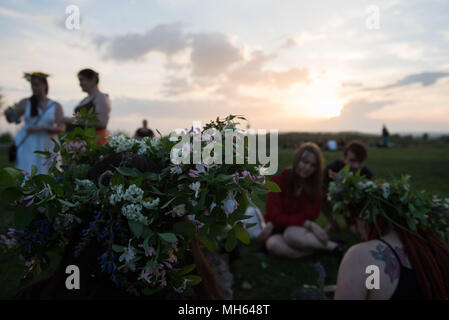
(44, 121)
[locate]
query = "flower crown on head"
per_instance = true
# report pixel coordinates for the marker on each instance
(28, 75)
(395, 200)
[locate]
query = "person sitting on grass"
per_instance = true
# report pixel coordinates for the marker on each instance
(401, 233)
(354, 156)
(291, 230)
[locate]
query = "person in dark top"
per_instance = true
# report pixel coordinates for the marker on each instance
(96, 100)
(411, 267)
(144, 131)
(354, 156)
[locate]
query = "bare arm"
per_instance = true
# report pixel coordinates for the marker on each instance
(351, 275)
(102, 108)
(18, 108)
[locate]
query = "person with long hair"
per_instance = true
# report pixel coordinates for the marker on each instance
(96, 100)
(403, 246)
(44, 120)
(291, 230)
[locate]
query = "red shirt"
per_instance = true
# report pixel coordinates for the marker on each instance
(283, 209)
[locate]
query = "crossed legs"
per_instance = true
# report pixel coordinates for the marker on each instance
(296, 242)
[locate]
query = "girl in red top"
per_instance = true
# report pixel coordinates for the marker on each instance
(290, 214)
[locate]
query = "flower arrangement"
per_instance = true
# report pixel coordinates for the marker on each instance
(396, 201)
(142, 221)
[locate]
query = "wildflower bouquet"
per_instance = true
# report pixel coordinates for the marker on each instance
(394, 200)
(143, 222)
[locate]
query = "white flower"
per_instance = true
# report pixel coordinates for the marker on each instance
(133, 212)
(151, 204)
(386, 190)
(145, 274)
(128, 253)
(194, 203)
(117, 194)
(195, 187)
(133, 194)
(154, 142)
(176, 170)
(143, 147)
(201, 168)
(179, 210)
(229, 204)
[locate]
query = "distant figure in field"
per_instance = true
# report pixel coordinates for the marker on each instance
(385, 135)
(332, 145)
(354, 156)
(144, 131)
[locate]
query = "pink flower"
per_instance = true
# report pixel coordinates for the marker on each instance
(236, 177)
(247, 174)
(193, 173)
(244, 225)
(24, 172)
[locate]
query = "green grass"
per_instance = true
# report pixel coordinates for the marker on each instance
(258, 276)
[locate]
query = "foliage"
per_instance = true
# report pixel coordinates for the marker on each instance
(144, 222)
(396, 201)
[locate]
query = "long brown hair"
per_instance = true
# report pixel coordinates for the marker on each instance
(428, 255)
(33, 98)
(313, 184)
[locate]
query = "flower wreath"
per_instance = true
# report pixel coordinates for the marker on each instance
(28, 75)
(144, 222)
(396, 201)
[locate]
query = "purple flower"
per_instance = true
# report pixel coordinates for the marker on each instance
(193, 173)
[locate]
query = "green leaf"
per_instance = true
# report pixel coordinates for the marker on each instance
(241, 234)
(272, 186)
(210, 244)
(130, 172)
(166, 205)
(136, 228)
(169, 237)
(185, 228)
(9, 195)
(11, 175)
(193, 280)
(118, 248)
(231, 240)
(186, 269)
(66, 203)
(23, 217)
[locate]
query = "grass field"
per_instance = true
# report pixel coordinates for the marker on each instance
(258, 276)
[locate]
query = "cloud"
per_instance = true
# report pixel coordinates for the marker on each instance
(425, 78)
(303, 38)
(168, 39)
(252, 73)
(174, 86)
(212, 54)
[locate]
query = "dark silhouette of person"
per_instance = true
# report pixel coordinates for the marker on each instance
(144, 131)
(385, 135)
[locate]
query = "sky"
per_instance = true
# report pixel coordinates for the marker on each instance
(290, 65)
